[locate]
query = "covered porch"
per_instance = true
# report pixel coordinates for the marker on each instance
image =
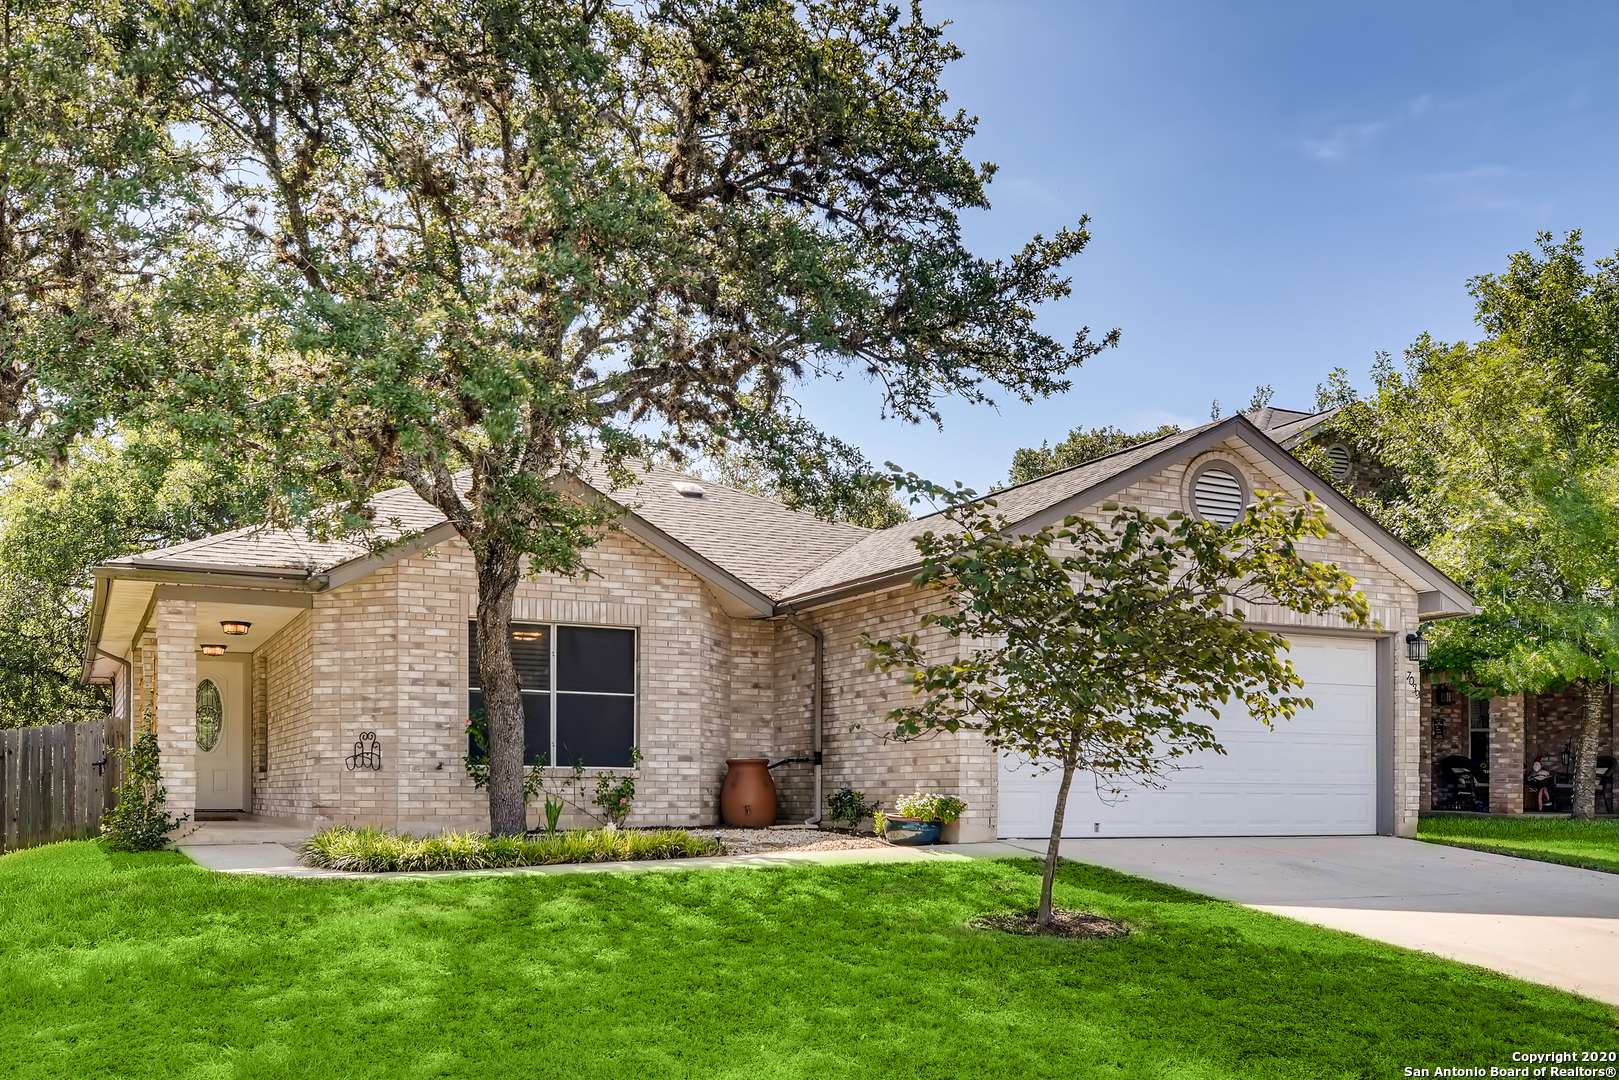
(1507, 755)
(186, 660)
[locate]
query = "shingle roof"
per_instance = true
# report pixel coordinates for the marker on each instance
(762, 543)
(757, 540)
(1287, 425)
(894, 549)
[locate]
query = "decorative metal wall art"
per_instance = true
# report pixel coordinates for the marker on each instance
(367, 753)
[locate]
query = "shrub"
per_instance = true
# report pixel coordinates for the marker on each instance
(139, 820)
(378, 851)
(849, 806)
(614, 794)
(929, 807)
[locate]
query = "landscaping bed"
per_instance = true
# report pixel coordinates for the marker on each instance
(140, 966)
(1593, 845)
(378, 851)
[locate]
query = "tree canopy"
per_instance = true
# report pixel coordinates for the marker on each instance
(1077, 447)
(1094, 646)
(103, 499)
(1508, 452)
(463, 248)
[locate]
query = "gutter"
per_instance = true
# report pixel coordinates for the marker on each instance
(818, 705)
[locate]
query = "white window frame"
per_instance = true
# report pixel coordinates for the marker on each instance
(552, 630)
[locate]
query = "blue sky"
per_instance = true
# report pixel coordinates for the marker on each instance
(1275, 191)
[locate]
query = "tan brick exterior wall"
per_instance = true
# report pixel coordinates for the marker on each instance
(388, 653)
(283, 673)
(174, 627)
(855, 725)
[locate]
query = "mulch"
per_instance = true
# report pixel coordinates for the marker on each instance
(1064, 923)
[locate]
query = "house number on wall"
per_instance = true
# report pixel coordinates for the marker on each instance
(1411, 682)
(367, 753)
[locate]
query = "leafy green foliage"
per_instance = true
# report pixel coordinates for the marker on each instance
(615, 792)
(95, 193)
(465, 249)
(784, 458)
(1079, 446)
(849, 807)
(1094, 646)
(1508, 450)
(929, 806)
(139, 820)
(104, 499)
(376, 851)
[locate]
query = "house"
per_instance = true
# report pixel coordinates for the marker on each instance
(294, 678)
(1501, 738)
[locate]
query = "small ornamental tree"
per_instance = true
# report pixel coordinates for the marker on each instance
(1096, 647)
(139, 819)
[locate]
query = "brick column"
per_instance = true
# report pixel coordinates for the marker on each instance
(176, 625)
(1506, 754)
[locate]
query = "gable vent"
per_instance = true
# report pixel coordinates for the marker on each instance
(1217, 495)
(689, 488)
(1338, 456)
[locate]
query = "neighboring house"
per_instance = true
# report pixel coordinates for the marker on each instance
(696, 640)
(1496, 742)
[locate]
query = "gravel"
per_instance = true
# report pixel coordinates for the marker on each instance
(785, 838)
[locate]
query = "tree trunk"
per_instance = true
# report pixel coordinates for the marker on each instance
(1042, 919)
(1585, 750)
(498, 574)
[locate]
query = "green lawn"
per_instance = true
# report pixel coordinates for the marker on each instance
(136, 966)
(1591, 844)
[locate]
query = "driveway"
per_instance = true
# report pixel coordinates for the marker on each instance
(1549, 924)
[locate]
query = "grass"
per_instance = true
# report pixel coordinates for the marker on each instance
(1591, 844)
(148, 966)
(345, 848)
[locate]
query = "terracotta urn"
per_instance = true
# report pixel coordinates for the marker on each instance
(748, 799)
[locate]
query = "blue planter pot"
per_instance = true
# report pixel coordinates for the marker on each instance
(909, 832)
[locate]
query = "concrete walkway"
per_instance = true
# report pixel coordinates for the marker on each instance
(1550, 924)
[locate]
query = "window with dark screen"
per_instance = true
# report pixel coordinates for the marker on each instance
(578, 686)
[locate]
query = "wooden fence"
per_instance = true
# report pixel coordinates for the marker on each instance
(55, 782)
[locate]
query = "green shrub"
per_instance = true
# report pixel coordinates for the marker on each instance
(924, 806)
(139, 820)
(377, 851)
(849, 806)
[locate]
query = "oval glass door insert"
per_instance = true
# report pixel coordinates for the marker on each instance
(210, 715)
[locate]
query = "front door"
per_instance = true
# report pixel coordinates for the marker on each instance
(221, 734)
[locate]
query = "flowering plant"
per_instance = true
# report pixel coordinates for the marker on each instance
(927, 806)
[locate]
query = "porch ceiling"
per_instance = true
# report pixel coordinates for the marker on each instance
(266, 619)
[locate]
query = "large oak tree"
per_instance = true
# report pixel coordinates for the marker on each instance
(1507, 450)
(464, 246)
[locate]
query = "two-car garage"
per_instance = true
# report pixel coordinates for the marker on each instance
(1316, 774)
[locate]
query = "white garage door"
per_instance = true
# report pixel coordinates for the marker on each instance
(1312, 775)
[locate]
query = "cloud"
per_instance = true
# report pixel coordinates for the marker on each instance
(1344, 140)
(1419, 104)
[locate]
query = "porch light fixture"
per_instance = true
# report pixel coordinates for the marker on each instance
(235, 627)
(1416, 649)
(213, 650)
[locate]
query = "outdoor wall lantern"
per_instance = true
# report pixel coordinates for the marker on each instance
(235, 627)
(1443, 693)
(213, 650)
(1416, 649)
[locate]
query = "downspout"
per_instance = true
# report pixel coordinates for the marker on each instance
(129, 704)
(817, 699)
